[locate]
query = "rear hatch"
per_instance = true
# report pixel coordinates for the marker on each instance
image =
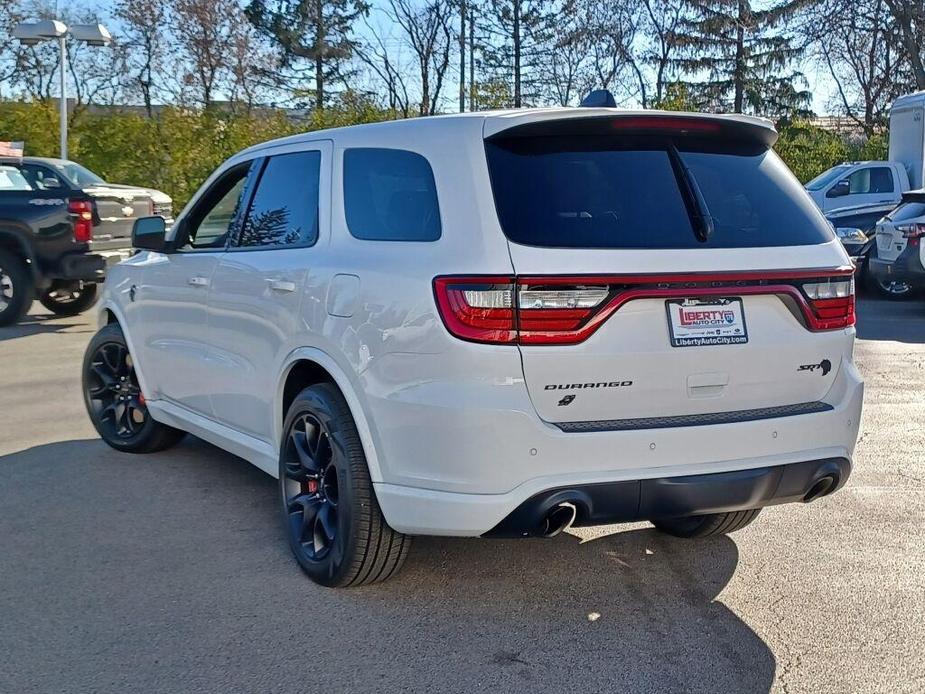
(903, 223)
(665, 267)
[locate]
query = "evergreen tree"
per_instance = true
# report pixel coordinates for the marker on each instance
(314, 30)
(744, 55)
(518, 43)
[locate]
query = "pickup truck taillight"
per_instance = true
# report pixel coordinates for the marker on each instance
(564, 310)
(83, 219)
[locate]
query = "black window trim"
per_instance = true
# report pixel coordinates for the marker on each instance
(246, 196)
(251, 191)
(343, 196)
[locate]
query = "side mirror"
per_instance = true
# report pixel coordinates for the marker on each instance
(839, 190)
(148, 234)
(50, 182)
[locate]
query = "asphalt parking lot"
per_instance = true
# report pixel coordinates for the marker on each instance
(170, 573)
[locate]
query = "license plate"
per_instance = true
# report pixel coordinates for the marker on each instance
(703, 322)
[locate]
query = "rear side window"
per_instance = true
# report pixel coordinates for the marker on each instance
(390, 195)
(284, 210)
(907, 211)
(611, 192)
(12, 179)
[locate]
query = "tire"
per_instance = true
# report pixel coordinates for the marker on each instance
(708, 525)
(333, 523)
(114, 400)
(65, 302)
(16, 288)
(895, 291)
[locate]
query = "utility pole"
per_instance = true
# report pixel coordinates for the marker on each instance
(473, 102)
(462, 56)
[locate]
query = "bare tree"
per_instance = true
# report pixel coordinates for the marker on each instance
(909, 16)
(144, 36)
(387, 67)
(429, 35)
(204, 37)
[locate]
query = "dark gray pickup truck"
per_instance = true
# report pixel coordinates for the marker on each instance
(46, 247)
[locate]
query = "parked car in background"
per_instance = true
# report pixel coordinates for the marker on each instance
(493, 324)
(856, 228)
(866, 183)
(45, 248)
(859, 183)
(900, 253)
(117, 205)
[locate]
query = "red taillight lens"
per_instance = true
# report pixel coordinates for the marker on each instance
(568, 310)
(831, 303)
(82, 211)
(913, 232)
(480, 309)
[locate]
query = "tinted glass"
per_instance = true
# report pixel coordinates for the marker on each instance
(390, 195)
(284, 211)
(209, 223)
(826, 177)
(871, 180)
(907, 211)
(36, 176)
(594, 192)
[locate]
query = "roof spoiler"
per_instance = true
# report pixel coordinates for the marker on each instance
(675, 124)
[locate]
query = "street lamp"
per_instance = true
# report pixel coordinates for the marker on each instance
(31, 33)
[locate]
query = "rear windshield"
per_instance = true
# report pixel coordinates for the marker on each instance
(607, 192)
(907, 211)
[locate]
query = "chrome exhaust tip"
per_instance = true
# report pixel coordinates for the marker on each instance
(558, 519)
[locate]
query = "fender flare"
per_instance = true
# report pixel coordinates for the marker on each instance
(7, 232)
(346, 386)
(107, 304)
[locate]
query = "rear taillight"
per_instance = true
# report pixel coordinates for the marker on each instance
(480, 309)
(831, 302)
(913, 232)
(561, 310)
(82, 211)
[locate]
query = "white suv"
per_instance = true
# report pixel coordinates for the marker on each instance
(493, 324)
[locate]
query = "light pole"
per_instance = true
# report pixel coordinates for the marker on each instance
(31, 33)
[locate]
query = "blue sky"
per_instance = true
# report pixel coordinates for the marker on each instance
(820, 83)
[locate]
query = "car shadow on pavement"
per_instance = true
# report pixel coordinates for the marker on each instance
(172, 569)
(36, 325)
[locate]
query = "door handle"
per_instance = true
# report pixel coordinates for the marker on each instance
(281, 285)
(199, 281)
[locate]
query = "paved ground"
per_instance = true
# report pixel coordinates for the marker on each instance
(169, 573)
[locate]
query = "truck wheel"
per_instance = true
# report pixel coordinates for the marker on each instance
(16, 289)
(706, 525)
(334, 525)
(63, 300)
(114, 399)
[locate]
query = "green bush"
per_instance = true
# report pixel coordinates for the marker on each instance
(175, 150)
(178, 148)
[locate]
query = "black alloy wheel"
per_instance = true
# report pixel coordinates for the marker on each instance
(310, 489)
(114, 393)
(114, 400)
(335, 528)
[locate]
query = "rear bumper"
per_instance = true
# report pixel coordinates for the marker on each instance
(472, 468)
(87, 267)
(667, 497)
(906, 268)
